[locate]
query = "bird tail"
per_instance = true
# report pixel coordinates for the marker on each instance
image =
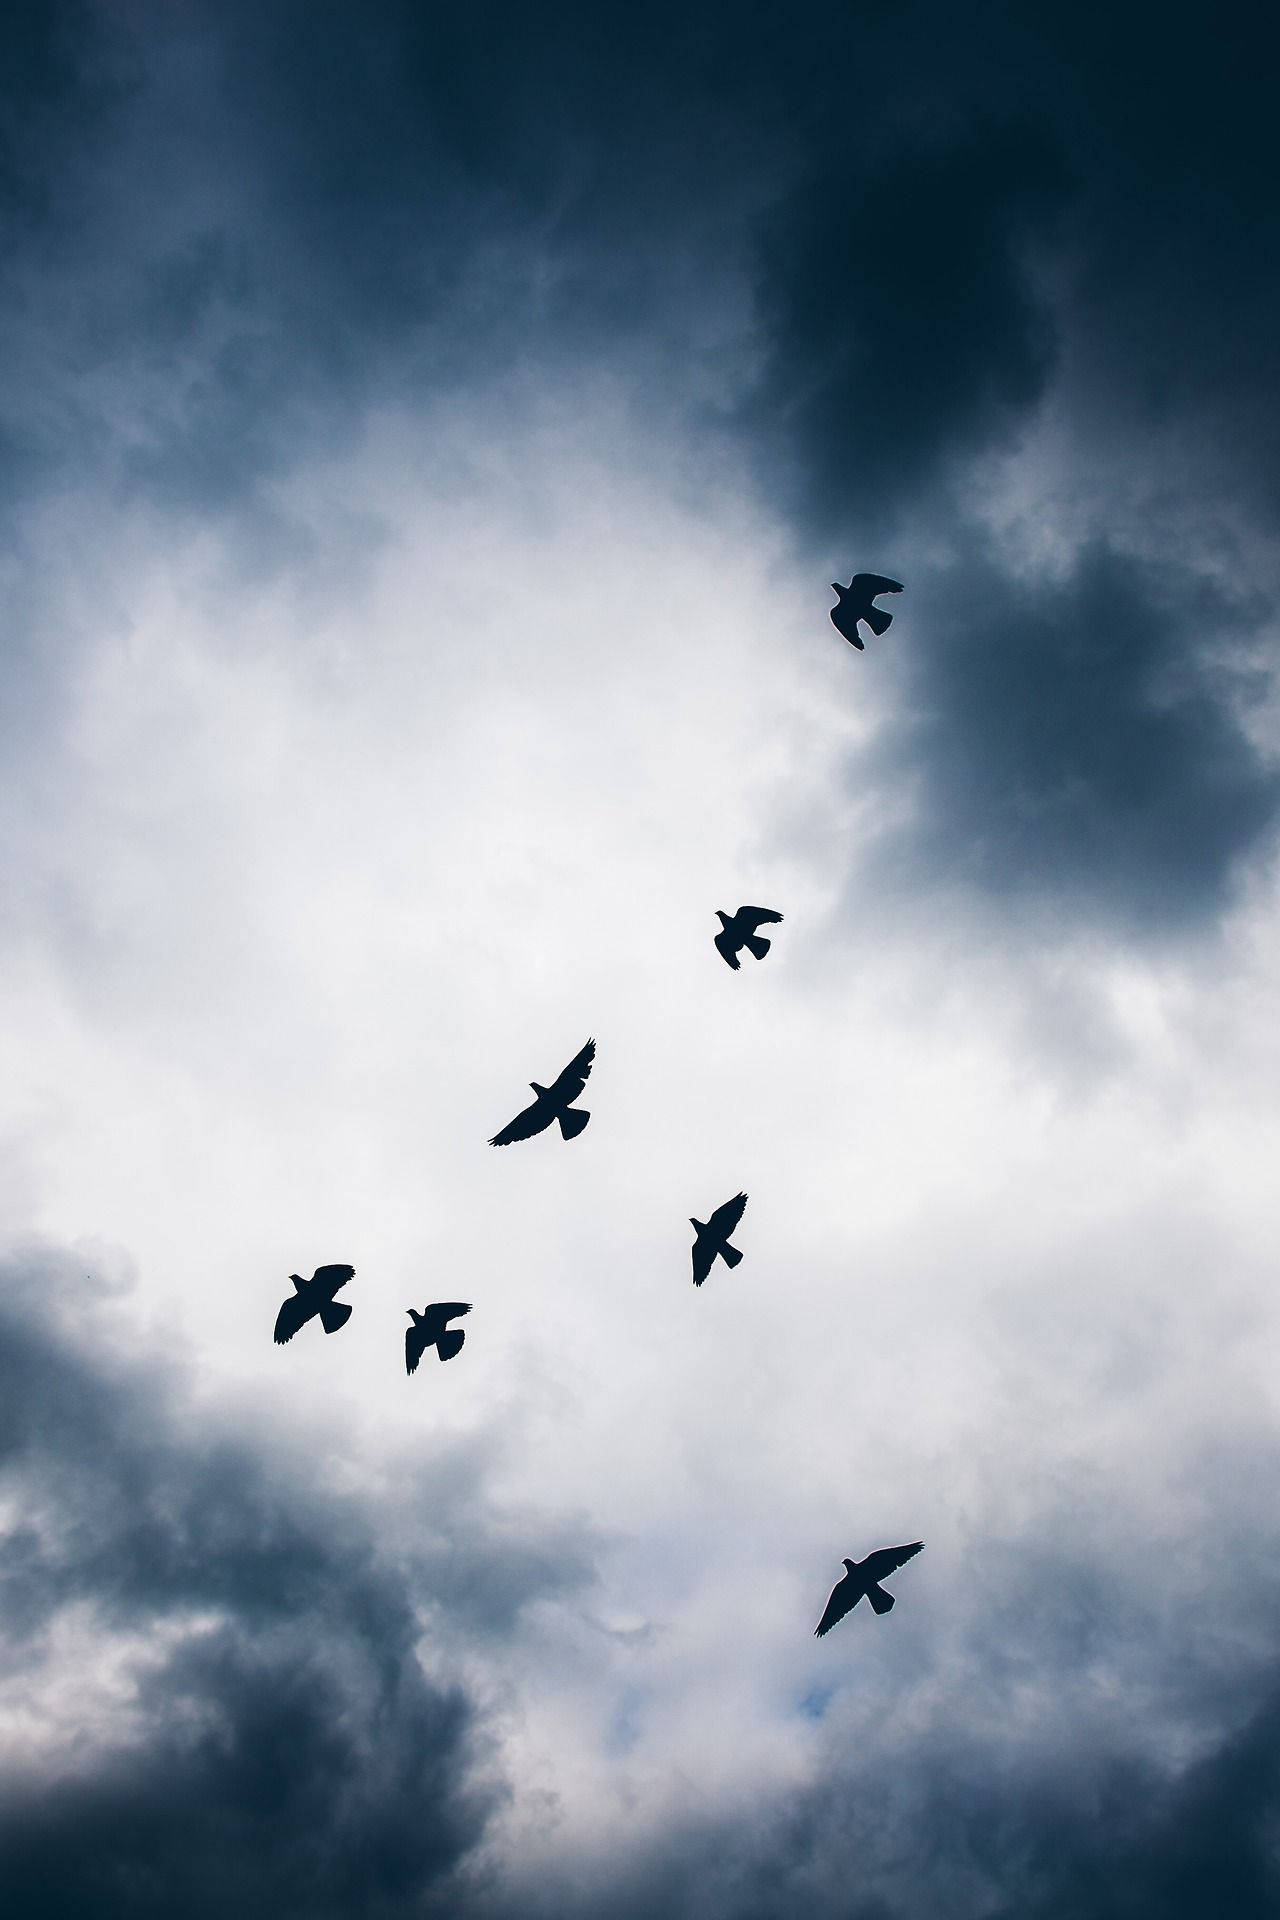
(334, 1315)
(450, 1342)
(572, 1121)
(730, 1255)
(758, 945)
(881, 1601)
(878, 620)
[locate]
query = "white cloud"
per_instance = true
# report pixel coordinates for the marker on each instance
(328, 864)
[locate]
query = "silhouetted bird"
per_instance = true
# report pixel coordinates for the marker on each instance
(553, 1103)
(430, 1329)
(312, 1297)
(713, 1238)
(864, 1577)
(740, 932)
(855, 604)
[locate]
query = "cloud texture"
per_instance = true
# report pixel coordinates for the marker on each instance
(425, 442)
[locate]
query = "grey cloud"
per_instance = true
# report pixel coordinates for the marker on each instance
(1091, 1834)
(47, 90)
(979, 192)
(1078, 739)
(291, 1754)
(1009, 214)
(1094, 1736)
(981, 1829)
(272, 214)
(288, 1772)
(904, 330)
(916, 227)
(286, 215)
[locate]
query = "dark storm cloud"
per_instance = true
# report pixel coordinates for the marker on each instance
(1093, 1734)
(45, 89)
(978, 192)
(289, 1754)
(284, 1752)
(1078, 207)
(1092, 1836)
(1176, 296)
(280, 215)
(982, 1829)
(275, 210)
(904, 330)
(865, 246)
(986, 1833)
(1078, 739)
(277, 1776)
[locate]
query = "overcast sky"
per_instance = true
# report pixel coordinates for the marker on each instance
(427, 438)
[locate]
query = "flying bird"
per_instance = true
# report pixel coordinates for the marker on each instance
(312, 1297)
(739, 931)
(430, 1329)
(864, 1577)
(553, 1103)
(855, 604)
(713, 1238)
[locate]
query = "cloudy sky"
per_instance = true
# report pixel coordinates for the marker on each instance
(427, 437)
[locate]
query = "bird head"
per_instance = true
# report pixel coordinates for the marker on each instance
(412, 1315)
(537, 1089)
(837, 588)
(848, 1563)
(696, 1224)
(723, 918)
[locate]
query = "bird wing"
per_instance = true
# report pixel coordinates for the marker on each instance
(531, 1120)
(704, 1254)
(440, 1312)
(726, 948)
(416, 1342)
(753, 917)
(846, 623)
(875, 583)
(295, 1313)
(574, 1078)
(726, 1218)
(329, 1279)
(877, 1565)
(844, 1595)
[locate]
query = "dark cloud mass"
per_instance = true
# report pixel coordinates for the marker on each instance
(493, 185)
(865, 246)
(1079, 739)
(877, 259)
(284, 1752)
(904, 328)
(1015, 1836)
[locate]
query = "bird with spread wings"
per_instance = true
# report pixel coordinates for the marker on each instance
(863, 1578)
(311, 1298)
(431, 1329)
(553, 1103)
(739, 930)
(856, 604)
(712, 1238)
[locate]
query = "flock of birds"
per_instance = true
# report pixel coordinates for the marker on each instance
(314, 1299)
